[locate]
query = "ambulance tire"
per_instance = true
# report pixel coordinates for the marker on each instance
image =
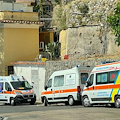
(12, 102)
(86, 102)
(71, 100)
(32, 102)
(45, 101)
(66, 103)
(112, 105)
(117, 102)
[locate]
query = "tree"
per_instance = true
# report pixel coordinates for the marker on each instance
(53, 50)
(58, 1)
(114, 21)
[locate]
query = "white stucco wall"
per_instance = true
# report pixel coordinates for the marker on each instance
(35, 76)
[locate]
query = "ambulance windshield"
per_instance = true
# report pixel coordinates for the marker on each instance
(21, 85)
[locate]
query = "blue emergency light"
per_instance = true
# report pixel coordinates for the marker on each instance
(12, 77)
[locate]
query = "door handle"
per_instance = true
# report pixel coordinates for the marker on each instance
(93, 87)
(51, 89)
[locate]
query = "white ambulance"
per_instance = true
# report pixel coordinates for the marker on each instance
(103, 85)
(15, 89)
(65, 86)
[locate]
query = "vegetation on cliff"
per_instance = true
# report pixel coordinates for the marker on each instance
(114, 21)
(82, 12)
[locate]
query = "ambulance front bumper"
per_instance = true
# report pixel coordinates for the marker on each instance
(25, 98)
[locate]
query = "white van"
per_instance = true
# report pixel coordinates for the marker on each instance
(15, 89)
(103, 85)
(65, 86)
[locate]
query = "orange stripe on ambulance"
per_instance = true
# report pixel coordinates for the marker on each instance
(15, 89)
(65, 85)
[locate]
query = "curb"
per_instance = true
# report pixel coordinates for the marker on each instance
(5, 118)
(37, 102)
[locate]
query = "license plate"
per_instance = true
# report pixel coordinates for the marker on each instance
(29, 100)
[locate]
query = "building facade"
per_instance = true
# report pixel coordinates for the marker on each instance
(19, 40)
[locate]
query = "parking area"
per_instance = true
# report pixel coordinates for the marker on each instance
(58, 112)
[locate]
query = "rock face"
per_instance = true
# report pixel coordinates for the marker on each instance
(84, 41)
(87, 12)
(87, 41)
(77, 13)
(87, 31)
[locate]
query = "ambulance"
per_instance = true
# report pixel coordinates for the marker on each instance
(103, 85)
(16, 89)
(65, 86)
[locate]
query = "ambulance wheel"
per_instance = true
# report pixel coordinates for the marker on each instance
(66, 103)
(112, 105)
(45, 101)
(86, 101)
(70, 100)
(32, 102)
(117, 102)
(12, 102)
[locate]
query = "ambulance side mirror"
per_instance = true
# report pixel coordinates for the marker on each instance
(46, 87)
(87, 84)
(9, 89)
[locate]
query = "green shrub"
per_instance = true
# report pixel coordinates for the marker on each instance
(114, 21)
(84, 8)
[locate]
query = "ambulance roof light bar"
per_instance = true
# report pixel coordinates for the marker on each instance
(23, 78)
(12, 77)
(77, 66)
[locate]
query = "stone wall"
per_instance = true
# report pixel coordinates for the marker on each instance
(52, 66)
(87, 33)
(87, 41)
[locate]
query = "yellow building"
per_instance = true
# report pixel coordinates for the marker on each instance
(19, 40)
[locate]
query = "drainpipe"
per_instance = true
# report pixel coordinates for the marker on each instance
(105, 38)
(13, 4)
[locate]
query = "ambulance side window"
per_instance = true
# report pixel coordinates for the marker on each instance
(90, 80)
(7, 86)
(102, 78)
(59, 81)
(113, 76)
(84, 77)
(49, 84)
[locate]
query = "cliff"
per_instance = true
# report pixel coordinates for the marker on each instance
(86, 32)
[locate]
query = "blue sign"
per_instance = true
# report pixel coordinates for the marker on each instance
(84, 78)
(0, 88)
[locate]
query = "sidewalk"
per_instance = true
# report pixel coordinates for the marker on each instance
(39, 103)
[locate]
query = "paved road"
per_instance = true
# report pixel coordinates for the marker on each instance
(58, 112)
